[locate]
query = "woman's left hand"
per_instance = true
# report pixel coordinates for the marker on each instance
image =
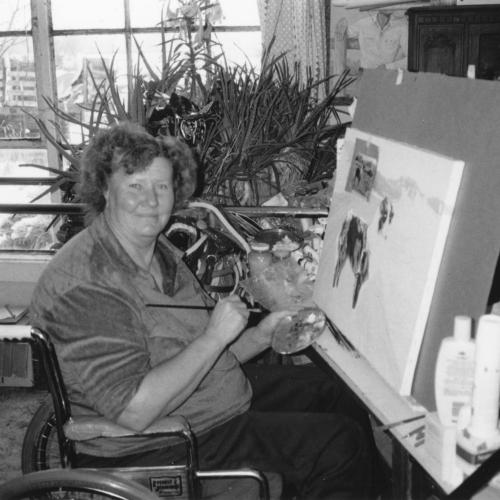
(258, 338)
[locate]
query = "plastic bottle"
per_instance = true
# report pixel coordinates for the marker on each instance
(454, 376)
(260, 258)
(484, 422)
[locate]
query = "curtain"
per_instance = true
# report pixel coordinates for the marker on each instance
(300, 30)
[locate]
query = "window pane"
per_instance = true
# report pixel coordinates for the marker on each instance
(230, 13)
(150, 45)
(238, 47)
(18, 91)
(16, 15)
(23, 194)
(27, 232)
(24, 231)
(241, 48)
(239, 13)
(146, 13)
(12, 159)
(78, 14)
(10, 166)
(151, 49)
(74, 54)
(78, 64)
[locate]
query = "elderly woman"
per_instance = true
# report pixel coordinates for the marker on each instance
(133, 363)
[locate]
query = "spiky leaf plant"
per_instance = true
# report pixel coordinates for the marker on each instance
(260, 131)
(268, 129)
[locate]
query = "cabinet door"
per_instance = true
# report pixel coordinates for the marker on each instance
(484, 50)
(441, 49)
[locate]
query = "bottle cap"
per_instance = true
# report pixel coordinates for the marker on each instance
(488, 327)
(259, 246)
(462, 328)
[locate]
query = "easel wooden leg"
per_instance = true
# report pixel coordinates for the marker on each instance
(401, 472)
(410, 481)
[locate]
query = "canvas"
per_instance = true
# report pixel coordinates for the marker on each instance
(389, 219)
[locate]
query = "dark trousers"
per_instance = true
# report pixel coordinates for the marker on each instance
(302, 424)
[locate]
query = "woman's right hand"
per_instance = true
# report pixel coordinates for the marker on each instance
(228, 319)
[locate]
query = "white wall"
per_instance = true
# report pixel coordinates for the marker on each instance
(18, 277)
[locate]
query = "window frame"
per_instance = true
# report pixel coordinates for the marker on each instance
(43, 35)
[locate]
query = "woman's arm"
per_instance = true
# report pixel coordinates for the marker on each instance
(170, 383)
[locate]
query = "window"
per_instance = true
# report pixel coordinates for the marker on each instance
(69, 39)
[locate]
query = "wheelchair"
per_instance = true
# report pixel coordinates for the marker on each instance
(73, 484)
(50, 443)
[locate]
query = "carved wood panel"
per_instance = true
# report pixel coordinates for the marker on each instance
(448, 39)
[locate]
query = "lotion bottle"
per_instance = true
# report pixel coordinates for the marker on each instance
(484, 420)
(454, 376)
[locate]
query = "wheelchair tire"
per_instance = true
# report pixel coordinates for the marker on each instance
(77, 484)
(40, 450)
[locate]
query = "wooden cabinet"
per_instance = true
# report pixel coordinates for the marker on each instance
(449, 39)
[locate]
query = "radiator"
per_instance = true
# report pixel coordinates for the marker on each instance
(16, 364)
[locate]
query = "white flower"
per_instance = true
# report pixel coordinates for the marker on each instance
(190, 9)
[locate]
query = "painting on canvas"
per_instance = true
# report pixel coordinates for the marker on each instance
(389, 220)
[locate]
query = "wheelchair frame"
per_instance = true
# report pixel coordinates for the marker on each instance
(182, 481)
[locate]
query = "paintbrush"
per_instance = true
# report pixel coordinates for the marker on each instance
(204, 308)
(338, 335)
(386, 427)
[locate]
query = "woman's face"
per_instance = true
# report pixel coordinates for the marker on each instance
(139, 205)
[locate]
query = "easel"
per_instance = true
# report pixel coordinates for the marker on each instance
(459, 118)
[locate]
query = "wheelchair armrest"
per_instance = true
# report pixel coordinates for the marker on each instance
(84, 428)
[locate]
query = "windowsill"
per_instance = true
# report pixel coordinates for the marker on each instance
(25, 257)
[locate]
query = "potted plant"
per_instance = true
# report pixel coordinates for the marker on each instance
(267, 131)
(253, 132)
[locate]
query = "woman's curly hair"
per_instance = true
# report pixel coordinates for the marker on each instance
(127, 145)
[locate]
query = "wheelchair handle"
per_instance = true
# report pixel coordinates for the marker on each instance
(15, 332)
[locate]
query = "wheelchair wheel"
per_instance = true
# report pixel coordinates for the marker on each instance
(40, 450)
(71, 484)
